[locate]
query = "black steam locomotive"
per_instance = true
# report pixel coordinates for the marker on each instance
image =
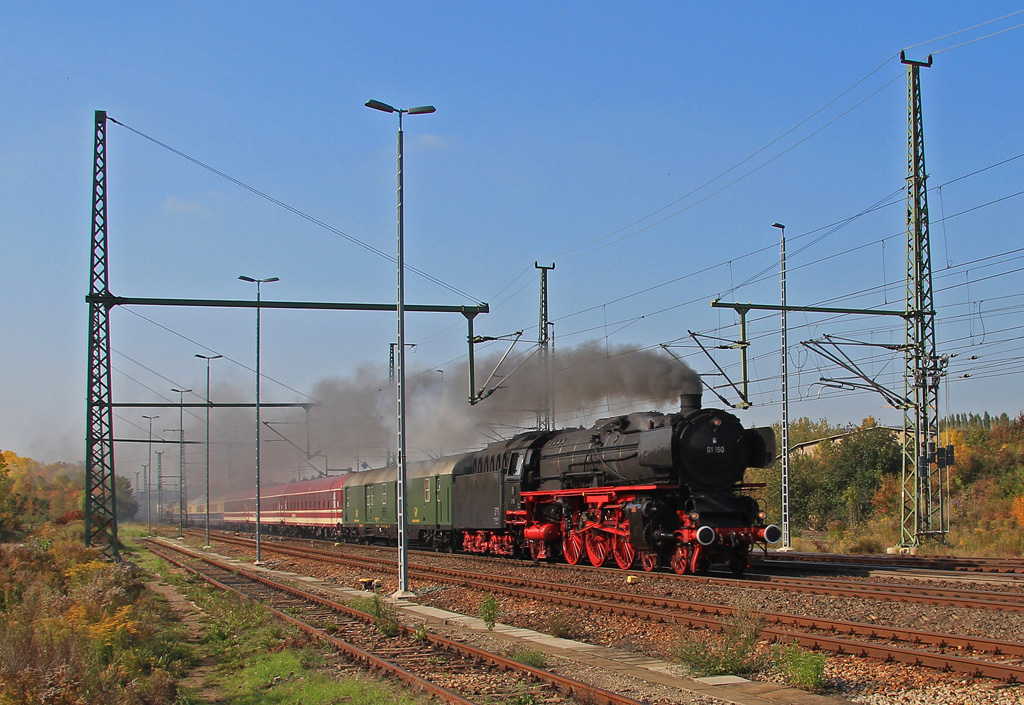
(661, 489)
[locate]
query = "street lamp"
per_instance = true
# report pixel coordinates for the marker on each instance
(258, 283)
(403, 568)
(208, 358)
(149, 501)
(159, 483)
(181, 460)
(785, 397)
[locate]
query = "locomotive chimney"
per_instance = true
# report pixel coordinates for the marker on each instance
(688, 403)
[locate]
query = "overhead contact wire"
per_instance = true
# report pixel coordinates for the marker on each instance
(291, 209)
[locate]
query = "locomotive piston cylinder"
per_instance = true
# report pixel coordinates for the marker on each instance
(543, 532)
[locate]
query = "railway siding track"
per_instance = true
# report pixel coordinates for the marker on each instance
(825, 634)
(921, 594)
(828, 635)
(458, 666)
(891, 592)
(895, 562)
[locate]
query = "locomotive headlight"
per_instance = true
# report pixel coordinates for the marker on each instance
(762, 515)
(716, 422)
(694, 515)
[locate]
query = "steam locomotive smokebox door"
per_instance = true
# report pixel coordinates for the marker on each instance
(656, 448)
(478, 501)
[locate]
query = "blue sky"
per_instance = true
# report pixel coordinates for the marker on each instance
(644, 148)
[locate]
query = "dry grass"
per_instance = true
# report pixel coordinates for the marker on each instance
(77, 629)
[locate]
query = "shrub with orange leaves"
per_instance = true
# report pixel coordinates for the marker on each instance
(1018, 510)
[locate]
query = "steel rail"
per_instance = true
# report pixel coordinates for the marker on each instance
(567, 686)
(914, 657)
(887, 562)
(953, 597)
(936, 639)
(354, 653)
(871, 631)
(562, 594)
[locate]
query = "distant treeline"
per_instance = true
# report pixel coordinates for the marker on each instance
(34, 493)
(849, 489)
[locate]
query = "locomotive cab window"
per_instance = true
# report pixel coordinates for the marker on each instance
(515, 466)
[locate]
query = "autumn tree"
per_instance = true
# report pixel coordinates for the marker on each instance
(126, 501)
(853, 468)
(9, 509)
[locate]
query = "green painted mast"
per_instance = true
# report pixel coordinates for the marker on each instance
(100, 498)
(924, 511)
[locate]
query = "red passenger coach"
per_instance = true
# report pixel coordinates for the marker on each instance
(308, 507)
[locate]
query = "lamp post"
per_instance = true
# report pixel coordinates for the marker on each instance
(403, 568)
(159, 483)
(149, 501)
(181, 460)
(258, 283)
(208, 358)
(785, 397)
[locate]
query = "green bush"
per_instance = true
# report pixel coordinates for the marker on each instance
(489, 610)
(530, 657)
(733, 652)
(421, 632)
(385, 616)
(801, 669)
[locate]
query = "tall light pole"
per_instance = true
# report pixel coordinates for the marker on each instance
(181, 460)
(403, 568)
(258, 283)
(208, 358)
(785, 397)
(149, 501)
(159, 482)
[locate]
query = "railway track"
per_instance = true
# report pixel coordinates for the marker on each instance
(448, 670)
(975, 656)
(802, 561)
(893, 592)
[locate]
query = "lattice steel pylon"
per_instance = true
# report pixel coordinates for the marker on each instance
(924, 512)
(544, 414)
(100, 490)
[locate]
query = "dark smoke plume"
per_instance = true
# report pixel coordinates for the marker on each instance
(356, 420)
